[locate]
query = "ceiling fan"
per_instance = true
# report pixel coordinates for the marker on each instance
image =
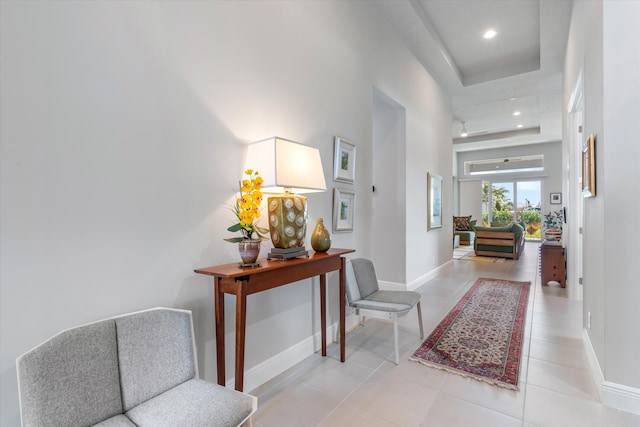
(464, 133)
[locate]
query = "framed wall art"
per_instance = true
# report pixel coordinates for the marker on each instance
(434, 201)
(589, 167)
(344, 203)
(555, 198)
(344, 162)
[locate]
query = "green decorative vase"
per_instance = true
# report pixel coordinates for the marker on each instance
(287, 220)
(320, 238)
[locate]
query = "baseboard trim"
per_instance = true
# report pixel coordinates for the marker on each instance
(621, 396)
(416, 283)
(274, 366)
(392, 286)
(596, 372)
(616, 395)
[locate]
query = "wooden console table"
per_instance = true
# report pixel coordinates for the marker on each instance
(552, 263)
(232, 279)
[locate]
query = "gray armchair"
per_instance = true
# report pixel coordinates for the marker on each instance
(138, 369)
(366, 298)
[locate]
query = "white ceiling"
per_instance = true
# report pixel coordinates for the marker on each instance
(518, 70)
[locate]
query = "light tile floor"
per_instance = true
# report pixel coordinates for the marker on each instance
(556, 387)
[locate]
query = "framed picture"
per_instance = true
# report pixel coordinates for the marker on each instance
(344, 162)
(434, 201)
(589, 167)
(344, 203)
(555, 198)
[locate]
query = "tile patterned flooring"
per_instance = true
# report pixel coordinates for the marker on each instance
(556, 387)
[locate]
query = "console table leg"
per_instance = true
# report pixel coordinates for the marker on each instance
(323, 312)
(241, 323)
(343, 290)
(219, 308)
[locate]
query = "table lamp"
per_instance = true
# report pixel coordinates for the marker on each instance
(288, 169)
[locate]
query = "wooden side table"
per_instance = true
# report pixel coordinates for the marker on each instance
(553, 263)
(241, 282)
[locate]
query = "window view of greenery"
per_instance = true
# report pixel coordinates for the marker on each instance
(498, 208)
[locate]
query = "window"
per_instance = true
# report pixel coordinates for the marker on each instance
(513, 201)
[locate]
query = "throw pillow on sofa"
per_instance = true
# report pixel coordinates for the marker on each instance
(462, 223)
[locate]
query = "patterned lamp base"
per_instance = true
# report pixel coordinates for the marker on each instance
(287, 225)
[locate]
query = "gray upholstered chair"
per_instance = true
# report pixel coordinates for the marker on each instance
(366, 298)
(138, 369)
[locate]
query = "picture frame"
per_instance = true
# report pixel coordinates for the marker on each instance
(344, 161)
(434, 201)
(555, 198)
(589, 167)
(344, 203)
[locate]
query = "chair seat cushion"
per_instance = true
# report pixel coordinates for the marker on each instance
(392, 301)
(117, 421)
(192, 404)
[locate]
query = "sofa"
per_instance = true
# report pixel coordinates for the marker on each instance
(138, 369)
(463, 227)
(504, 242)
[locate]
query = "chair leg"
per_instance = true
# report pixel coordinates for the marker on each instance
(395, 337)
(420, 320)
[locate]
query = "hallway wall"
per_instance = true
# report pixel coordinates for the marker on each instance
(124, 128)
(604, 44)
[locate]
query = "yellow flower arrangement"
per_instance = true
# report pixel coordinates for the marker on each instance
(247, 208)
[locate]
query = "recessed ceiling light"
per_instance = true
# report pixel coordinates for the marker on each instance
(519, 126)
(489, 34)
(516, 113)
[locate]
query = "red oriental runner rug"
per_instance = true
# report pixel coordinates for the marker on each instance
(481, 337)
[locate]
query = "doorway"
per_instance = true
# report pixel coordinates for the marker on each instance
(388, 148)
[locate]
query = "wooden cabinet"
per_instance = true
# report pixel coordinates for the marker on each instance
(552, 263)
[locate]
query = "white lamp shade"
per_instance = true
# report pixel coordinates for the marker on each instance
(286, 166)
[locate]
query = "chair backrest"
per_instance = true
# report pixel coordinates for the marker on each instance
(361, 279)
(72, 378)
(156, 352)
(87, 374)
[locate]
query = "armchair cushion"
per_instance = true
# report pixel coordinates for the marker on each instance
(467, 237)
(194, 403)
(117, 421)
(72, 379)
(156, 354)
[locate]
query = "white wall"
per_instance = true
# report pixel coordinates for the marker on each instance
(123, 134)
(551, 178)
(621, 188)
(604, 41)
(584, 52)
(471, 200)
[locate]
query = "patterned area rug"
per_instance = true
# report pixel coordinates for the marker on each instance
(472, 257)
(481, 337)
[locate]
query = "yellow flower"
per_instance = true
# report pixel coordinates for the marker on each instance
(247, 208)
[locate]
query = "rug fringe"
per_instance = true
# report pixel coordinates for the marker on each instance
(490, 381)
